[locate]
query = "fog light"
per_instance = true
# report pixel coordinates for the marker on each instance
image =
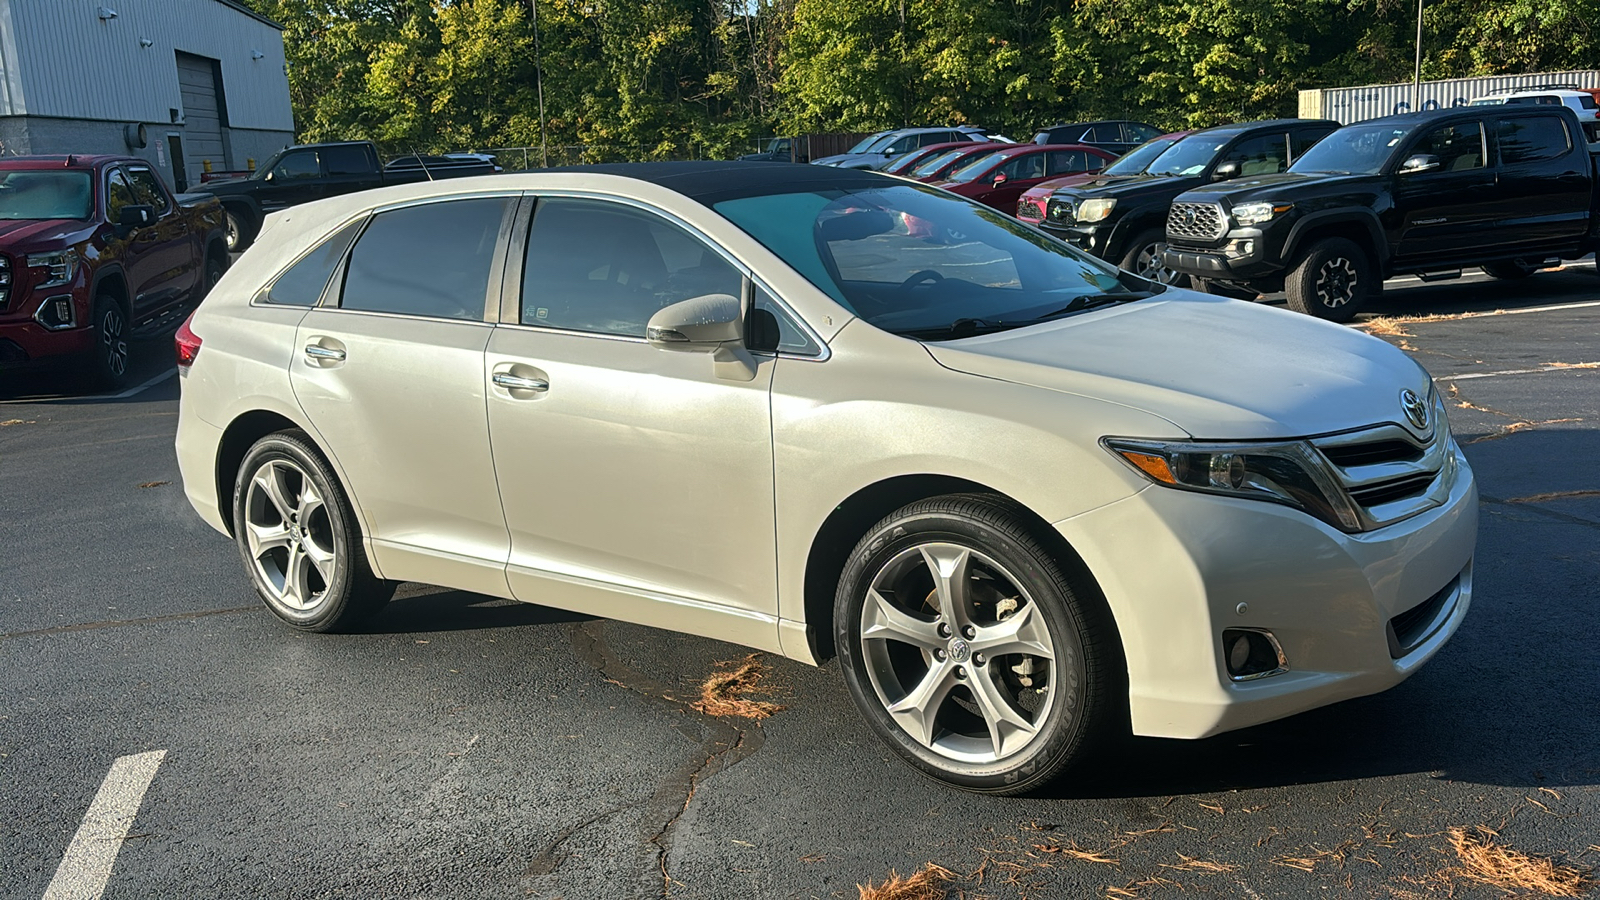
(1252, 654)
(56, 313)
(1240, 249)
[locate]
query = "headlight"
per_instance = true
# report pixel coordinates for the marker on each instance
(1095, 210)
(62, 266)
(1290, 473)
(1256, 213)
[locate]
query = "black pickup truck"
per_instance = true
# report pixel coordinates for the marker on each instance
(1511, 189)
(1121, 218)
(313, 171)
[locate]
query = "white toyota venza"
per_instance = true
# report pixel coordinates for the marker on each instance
(1026, 499)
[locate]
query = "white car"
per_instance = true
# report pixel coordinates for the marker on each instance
(1581, 102)
(1022, 496)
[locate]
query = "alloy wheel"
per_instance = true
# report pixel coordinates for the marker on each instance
(113, 344)
(958, 653)
(1149, 264)
(1337, 282)
(289, 536)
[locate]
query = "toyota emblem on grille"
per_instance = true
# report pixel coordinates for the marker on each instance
(1189, 216)
(1416, 409)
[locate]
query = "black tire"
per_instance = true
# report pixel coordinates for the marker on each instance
(1218, 289)
(1144, 259)
(110, 356)
(212, 274)
(1003, 553)
(322, 521)
(239, 228)
(1508, 270)
(1333, 279)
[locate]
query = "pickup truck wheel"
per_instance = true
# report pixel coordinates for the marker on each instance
(1144, 259)
(239, 229)
(1332, 280)
(109, 366)
(1509, 270)
(968, 649)
(1218, 289)
(214, 270)
(297, 536)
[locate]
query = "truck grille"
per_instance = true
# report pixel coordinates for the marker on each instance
(1061, 212)
(1390, 473)
(1202, 221)
(1029, 211)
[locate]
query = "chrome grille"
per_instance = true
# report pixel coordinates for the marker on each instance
(1390, 473)
(1203, 221)
(1061, 211)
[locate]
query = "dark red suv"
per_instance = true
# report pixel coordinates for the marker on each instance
(91, 248)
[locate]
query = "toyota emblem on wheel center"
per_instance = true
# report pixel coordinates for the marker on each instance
(1416, 409)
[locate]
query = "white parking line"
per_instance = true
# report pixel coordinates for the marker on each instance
(86, 867)
(144, 387)
(1570, 367)
(136, 389)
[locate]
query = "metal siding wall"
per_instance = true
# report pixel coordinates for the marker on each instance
(74, 65)
(1357, 104)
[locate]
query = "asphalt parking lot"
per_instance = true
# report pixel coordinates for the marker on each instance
(466, 747)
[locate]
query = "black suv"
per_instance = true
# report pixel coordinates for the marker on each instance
(1123, 219)
(1116, 135)
(1507, 188)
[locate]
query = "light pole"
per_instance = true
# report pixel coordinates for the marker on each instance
(538, 79)
(1416, 80)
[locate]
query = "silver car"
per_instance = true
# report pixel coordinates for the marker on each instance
(1024, 498)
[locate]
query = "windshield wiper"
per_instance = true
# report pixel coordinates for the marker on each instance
(960, 328)
(1089, 301)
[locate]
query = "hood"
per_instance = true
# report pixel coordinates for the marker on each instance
(1046, 188)
(39, 235)
(1130, 186)
(1281, 184)
(225, 186)
(1219, 369)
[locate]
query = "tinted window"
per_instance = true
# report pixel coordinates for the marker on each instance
(302, 283)
(1104, 134)
(1303, 140)
(1459, 147)
(299, 164)
(607, 268)
(1067, 162)
(1261, 155)
(1139, 133)
(347, 160)
(1030, 165)
(937, 137)
(428, 260)
(118, 194)
(1587, 102)
(1532, 138)
(791, 339)
(147, 190)
(902, 145)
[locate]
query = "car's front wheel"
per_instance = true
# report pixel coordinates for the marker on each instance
(1332, 280)
(1145, 258)
(297, 536)
(968, 649)
(110, 356)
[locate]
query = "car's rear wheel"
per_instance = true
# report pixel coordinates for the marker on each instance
(109, 365)
(297, 536)
(1509, 270)
(1144, 259)
(968, 649)
(1332, 280)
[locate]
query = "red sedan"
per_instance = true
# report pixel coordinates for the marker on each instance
(905, 164)
(940, 165)
(998, 179)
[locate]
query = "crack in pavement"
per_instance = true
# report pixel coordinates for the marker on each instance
(1518, 423)
(546, 861)
(722, 745)
(118, 623)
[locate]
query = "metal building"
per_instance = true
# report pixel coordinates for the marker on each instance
(182, 83)
(1357, 104)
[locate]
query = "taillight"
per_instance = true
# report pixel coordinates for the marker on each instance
(188, 344)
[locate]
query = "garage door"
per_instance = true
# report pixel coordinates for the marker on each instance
(202, 115)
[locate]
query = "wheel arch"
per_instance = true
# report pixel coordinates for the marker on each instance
(237, 439)
(1362, 228)
(856, 514)
(112, 281)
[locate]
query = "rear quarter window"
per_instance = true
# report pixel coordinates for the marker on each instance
(302, 284)
(1532, 138)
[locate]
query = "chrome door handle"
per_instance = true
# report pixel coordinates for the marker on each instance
(518, 383)
(316, 352)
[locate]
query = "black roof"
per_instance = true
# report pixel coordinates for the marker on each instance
(1461, 112)
(1263, 125)
(712, 181)
(1094, 122)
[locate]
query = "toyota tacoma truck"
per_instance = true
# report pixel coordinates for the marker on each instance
(1510, 189)
(1121, 219)
(309, 172)
(93, 250)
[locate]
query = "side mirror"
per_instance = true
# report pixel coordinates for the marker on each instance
(1000, 178)
(1422, 162)
(271, 174)
(136, 215)
(713, 322)
(1226, 170)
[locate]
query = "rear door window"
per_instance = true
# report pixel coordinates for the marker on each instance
(347, 160)
(431, 260)
(1068, 162)
(1531, 138)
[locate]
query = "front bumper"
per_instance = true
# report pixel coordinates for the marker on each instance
(1187, 566)
(1240, 256)
(1094, 238)
(26, 342)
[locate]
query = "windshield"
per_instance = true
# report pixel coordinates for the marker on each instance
(971, 171)
(871, 142)
(1189, 155)
(1136, 160)
(61, 194)
(1352, 150)
(936, 163)
(920, 262)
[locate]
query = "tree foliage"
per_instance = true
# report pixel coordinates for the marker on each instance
(670, 78)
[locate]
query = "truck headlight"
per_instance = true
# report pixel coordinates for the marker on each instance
(1255, 213)
(1291, 473)
(1095, 210)
(62, 265)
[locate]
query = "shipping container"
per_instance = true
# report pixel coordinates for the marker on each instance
(1356, 104)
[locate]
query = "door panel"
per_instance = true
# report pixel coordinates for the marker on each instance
(1542, 193)
(175, 250)
(138, 248)
(636, 466)
(1447, 212)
